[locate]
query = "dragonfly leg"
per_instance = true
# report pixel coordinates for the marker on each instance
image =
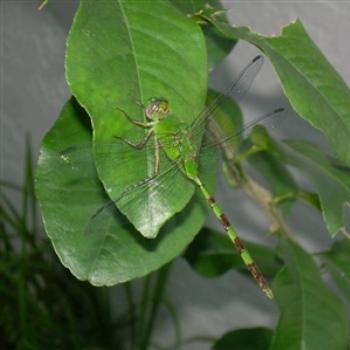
(133, 121)
(139, 145)
(156, 156)
(140, 104)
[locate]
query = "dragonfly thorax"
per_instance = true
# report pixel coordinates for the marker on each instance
(157, 109)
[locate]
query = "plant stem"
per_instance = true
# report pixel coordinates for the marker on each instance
(345, 233)
(132, 309)
(143, 310)
(161, 278)
(43, 4)
(255, 191)
(160, 283)
(264, 198)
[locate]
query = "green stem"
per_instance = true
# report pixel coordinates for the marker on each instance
(22, 302)
(131, 306)
(160, 283)
(177, 325)
(265, 199)
(251, 150)
(345, 233)
(143, 307)
(43, 4)
(237, 178)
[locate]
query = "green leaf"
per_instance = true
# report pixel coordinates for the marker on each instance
(339, 254)
(227, 120)
(211, 254)
(69, 193)
(279, 180)
(311, 317)
(331, 180)
(218, 47)
(225, 129)
(313, 87)
(119, 52)
(337, 260)
(245, 339)
(340, 279)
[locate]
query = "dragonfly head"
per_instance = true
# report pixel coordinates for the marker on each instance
(157, 108)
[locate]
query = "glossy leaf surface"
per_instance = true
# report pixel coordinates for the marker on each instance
(70, 192)
(120, 52)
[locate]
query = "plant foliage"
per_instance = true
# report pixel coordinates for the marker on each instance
(120, 54)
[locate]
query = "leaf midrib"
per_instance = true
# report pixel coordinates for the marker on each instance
(133, 49)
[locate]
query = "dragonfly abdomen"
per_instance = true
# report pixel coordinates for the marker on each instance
(246, 257)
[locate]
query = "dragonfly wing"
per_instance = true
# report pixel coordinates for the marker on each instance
(150, 202)
(148, 206)
(219, 139)
(236, 90)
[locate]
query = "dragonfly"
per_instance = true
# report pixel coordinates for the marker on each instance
(178, 141)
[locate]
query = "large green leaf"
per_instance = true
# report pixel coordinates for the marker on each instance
(211, 254)
(311, 317)
(69, 193)
(331, 179)
(119, 52)
(337, 260)
(332, 183)
(313, 87)
(218, 47)
(245, 339)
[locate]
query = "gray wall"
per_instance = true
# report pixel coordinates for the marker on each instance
(33, 90)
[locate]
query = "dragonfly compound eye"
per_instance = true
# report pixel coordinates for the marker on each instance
(150, 109)
(163, 107)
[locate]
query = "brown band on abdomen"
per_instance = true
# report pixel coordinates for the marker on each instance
(239, 245)
(258, 276)
(224, 221)
(211, 200)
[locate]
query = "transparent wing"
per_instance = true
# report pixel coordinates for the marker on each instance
(214, 142)
(236, 90)
(124, 152)
(74, 155)
(150, 202)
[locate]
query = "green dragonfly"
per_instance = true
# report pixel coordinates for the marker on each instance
(171, 140)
